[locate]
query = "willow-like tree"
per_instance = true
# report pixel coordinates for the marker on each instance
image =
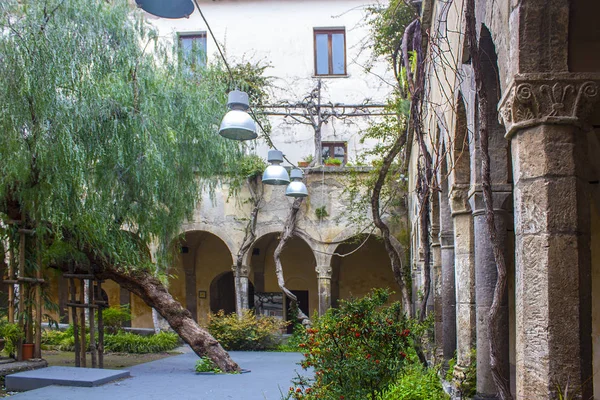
(105, 138)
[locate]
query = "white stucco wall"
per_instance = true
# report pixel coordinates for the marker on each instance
(280, 34)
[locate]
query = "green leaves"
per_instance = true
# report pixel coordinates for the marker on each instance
(357, 349)
(246, 333)
(205, 364)
(102, 131)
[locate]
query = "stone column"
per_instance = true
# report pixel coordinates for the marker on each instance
(436, 278)
(544, 114)
(448, 295)
(485, 284)
(464, 265)
(241, 288)
(324, 273)
(447, 260)
(191, 296)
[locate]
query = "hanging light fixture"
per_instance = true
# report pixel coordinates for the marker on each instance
(296, 188)
(237, 124)
(275, 174)
(167, 9)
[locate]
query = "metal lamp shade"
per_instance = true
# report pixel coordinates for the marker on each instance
(275, 175)
(296, 189)
(238, 125)
(167, 9)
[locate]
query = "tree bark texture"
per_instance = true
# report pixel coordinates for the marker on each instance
(502, 382)
(416, 83)
(155, 295)
(249, 237)
(286, 235)
(395, 258)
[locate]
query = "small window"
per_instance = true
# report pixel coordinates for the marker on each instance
(193, 48)
(330, 51)
(335, 150)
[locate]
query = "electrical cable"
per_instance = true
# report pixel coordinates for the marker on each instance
(265, 134)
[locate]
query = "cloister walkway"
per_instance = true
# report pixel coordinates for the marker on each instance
(173, 378)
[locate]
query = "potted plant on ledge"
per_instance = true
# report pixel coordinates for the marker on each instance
(305, 161)
(332, 162)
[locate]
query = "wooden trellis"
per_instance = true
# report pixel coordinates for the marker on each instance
(17, 275)
(78, 306)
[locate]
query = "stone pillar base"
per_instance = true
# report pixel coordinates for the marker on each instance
(485, 397)
(460, 379)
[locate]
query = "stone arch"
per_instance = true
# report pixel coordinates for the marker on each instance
(498, 146)
(348, 234)
(298, 261)
(200, 257)
(485, 265)
(460, 153)
(365, 265)
(223, 234)
(261, 231)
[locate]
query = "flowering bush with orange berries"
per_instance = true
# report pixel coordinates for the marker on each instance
(356, 350)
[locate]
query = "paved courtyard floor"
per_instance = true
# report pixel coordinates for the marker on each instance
(173, 378)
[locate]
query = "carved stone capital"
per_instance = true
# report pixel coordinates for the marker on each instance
(324, 271)
(242, 272)
(548, 98)
(459, 199)
(500, 193)
(447, 239)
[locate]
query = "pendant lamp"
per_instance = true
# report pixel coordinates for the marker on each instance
(275, 174)
(237, 124)
(296, 188)
(167, 9)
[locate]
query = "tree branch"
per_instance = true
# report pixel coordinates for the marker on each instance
(502, 382)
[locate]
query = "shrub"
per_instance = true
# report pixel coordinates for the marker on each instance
(205, 364)
(121, 342)
(293, 343)
(54, 338)
(12, 333)
(356, 350)
(131, 343)
(415, 383)
(115, 318)
(246, 333)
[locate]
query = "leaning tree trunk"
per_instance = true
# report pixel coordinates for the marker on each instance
(156, 295)
(288, 232)
(249, 238)
(395, 258)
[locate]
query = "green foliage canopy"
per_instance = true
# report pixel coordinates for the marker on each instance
(103, 131)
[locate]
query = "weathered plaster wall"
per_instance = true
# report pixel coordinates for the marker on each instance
(141, 314)
(113, 290)
(212, 259)
(366, 268)
(280, 34)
